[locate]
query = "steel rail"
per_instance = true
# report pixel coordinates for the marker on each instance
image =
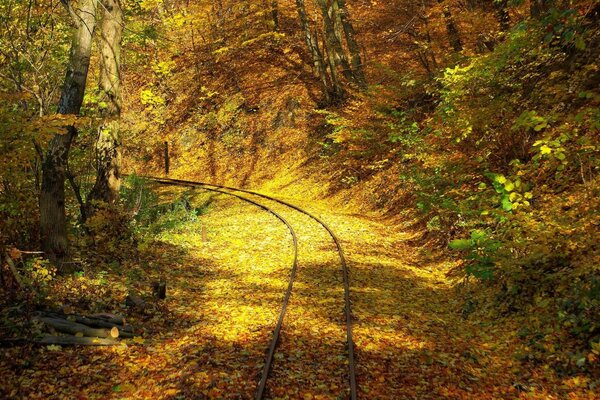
(288, 293)
(346, 278)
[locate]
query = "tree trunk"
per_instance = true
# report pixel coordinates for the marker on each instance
(108, 149)
(313, 47)
(53, 224)
(336, 18)
(353, 47)
(451, 29)
(335, 50)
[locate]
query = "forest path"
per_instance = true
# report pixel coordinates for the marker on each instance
(410, 337)
(227, 274)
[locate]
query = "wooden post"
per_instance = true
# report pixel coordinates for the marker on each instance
(166, 158)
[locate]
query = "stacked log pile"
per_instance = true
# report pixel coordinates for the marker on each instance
(93, 330)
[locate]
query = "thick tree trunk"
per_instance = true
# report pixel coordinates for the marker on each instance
(313, 47)
(108, 149)
(353, 47)
(53, 225)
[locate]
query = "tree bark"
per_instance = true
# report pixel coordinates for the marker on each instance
(335, 49)
(313, 47)
(353, 47)
(108, 146)
(53, 224)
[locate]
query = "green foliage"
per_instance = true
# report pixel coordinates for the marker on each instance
(513, 193)
(530, 120)
(37, 276)
(339, 127)
(564, 27)
(150, 218)
(510, 158)
(138, 198)
(481, 252)
(402, 130)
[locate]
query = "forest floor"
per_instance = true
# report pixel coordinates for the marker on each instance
(226, 275)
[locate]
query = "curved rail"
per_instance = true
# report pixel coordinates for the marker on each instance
(346, 279)
(288, 293)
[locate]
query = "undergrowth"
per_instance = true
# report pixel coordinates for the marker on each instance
(504, 169)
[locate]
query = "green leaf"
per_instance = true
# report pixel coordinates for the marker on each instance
(460, 244)
(506, 204)
(477, 234)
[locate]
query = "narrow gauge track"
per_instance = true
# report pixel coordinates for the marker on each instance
(276, 333)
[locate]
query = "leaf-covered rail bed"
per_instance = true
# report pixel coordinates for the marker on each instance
(276, 338)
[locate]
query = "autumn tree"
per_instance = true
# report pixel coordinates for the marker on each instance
(341, 51)
(108, 154)
(29, 55)
(312, 43)
(53, 223)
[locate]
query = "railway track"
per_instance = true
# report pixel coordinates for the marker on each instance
(269, 359)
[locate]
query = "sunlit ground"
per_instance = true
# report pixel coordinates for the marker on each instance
(225, 287)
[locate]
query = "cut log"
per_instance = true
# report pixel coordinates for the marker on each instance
(91, 321)
(74, 328)
(76, 340)
(112, 318)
